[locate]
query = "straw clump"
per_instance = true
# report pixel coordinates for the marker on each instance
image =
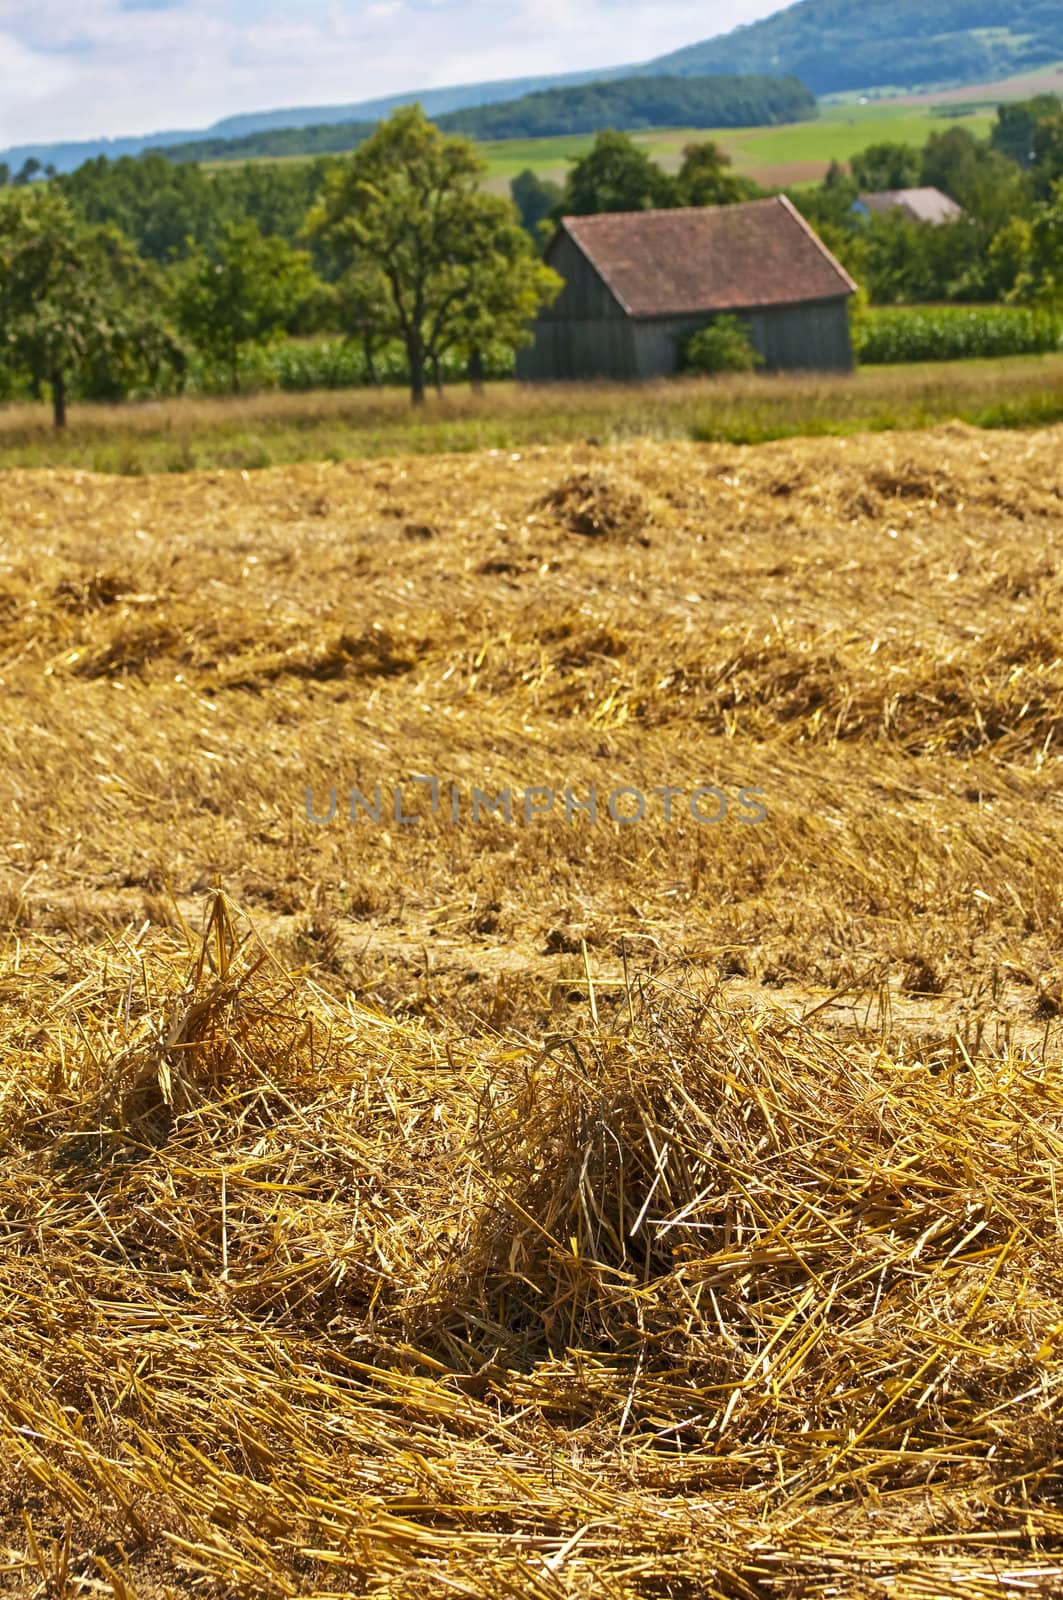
(695, 1295)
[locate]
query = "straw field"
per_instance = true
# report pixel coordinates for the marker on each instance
(542, 1204)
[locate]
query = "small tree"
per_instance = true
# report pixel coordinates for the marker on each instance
(450, 264)
(1043, 283)
(886, 166)
(705, 178)
(536, 199)
(243, 292)
(1009, 260)
(504, 287)
(76, 302)
(1014, 131)
(363, 310)
(723, 346)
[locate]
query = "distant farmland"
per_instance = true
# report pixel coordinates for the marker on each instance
(795, 152)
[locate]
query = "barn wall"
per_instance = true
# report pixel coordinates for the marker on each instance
(584, 296)
(584, 348)
(659, 341)
(585, 333)
(813, 337)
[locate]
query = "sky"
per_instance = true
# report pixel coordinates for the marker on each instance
(74, 69)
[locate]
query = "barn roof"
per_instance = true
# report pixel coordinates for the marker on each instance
(709, 258)
(922, 205)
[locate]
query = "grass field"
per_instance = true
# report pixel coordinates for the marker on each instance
(546, 1205)
(272, 428)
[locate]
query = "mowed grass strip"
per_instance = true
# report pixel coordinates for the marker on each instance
(264, 430)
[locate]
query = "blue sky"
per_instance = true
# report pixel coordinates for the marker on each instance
(73, 69)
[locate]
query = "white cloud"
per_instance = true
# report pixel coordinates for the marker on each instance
(27, 77)
(73, 69)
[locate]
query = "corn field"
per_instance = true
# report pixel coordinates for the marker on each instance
(897, 334)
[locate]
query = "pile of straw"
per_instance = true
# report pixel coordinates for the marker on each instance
(300, 1299)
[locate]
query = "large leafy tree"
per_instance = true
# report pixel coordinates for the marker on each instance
(615, 175)
(77, 304)
(242, 292)
(453, 265)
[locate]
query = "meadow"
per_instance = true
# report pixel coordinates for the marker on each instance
(549, 1204)
(271, 428)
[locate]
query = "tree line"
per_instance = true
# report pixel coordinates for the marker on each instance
(112, 277)
(399, 242)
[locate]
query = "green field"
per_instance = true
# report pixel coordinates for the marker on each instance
(793, 153)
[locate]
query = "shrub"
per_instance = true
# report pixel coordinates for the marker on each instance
(723, 346)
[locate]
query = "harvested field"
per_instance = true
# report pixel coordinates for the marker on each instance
(544, 1203)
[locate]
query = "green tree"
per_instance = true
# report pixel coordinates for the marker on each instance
(504, 288)
(245, 291)
(364, 309)
(1048, 155)
(1009, 260)
(1016, 125)
(886, 166)
(615, 175)
(455, 262)
(705, 178)
(1045, 282)
(76, 302)
(989, 185)
(536, 199)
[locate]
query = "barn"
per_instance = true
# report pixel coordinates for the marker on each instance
(638, 283)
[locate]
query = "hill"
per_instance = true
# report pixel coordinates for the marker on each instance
(833, 46)
(838, 45)
(629, 103)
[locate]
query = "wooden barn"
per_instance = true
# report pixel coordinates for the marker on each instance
(638, 283)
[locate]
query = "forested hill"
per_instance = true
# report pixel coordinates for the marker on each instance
(835, 45)
(642, 102)
(627, 103)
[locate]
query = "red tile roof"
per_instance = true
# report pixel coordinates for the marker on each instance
(709, 258)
